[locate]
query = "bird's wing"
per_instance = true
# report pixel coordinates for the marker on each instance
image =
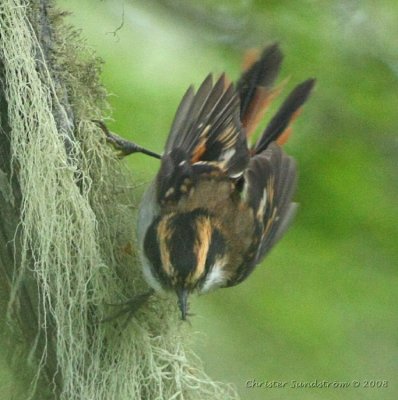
(271, 182)
(207, 126)
(206, 137)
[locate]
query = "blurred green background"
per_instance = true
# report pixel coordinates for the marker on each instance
(323, 306)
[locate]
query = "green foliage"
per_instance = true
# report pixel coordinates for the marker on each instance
(322, 306)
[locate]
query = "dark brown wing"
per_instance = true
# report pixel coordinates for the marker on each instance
(270, 182)
(207, 126)
(279, 209)
(206, 136)
(275, 208)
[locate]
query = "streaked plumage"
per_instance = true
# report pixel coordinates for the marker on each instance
(216, 206)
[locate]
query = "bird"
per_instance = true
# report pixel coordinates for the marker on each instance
(218, 203)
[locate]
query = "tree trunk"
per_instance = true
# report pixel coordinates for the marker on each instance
(67, 247)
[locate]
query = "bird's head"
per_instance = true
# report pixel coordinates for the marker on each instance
(186, 252)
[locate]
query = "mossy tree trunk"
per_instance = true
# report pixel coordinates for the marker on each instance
(67, 244)
(21, 341)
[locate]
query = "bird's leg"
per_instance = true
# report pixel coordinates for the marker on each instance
(124, 146)
(131, 306)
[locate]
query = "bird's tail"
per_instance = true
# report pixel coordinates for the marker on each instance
(257, 89)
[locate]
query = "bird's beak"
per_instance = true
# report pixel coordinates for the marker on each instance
(182, 302)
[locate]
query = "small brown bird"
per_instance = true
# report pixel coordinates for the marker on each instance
(217, 206)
